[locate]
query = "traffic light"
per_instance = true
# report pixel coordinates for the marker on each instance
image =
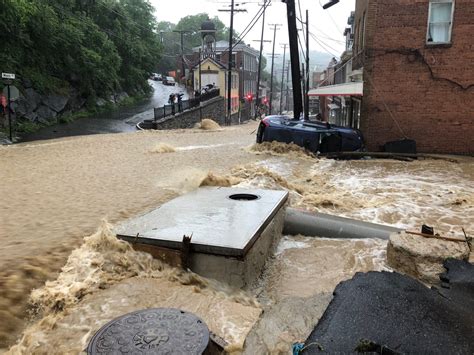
(265, 100)
(249, 97)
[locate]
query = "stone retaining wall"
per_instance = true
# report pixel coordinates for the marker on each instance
(213, 109)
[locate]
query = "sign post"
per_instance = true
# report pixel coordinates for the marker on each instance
(9, 78)
(9, 114)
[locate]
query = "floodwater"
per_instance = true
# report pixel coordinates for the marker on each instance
(123, 119)
(58, 191)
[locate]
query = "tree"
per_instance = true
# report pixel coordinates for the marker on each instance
(97, 47)
(193, 23)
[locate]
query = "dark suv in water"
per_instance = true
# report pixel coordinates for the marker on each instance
(315, 136)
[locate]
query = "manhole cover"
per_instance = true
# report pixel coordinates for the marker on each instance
(152, 331)
(243, 197)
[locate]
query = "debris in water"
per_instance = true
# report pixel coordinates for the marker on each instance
(215, 180)
(106, 277)
(163, 148)
(280, 149)
(209, 125)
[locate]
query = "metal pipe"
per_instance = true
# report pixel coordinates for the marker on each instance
(329, 226)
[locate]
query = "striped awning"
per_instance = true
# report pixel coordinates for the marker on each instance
(346, 89)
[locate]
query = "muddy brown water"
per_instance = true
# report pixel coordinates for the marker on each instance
(58, 192)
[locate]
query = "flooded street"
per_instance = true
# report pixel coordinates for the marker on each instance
(56, 192)
(122, 119)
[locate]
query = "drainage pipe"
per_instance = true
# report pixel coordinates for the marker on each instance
(328, 226)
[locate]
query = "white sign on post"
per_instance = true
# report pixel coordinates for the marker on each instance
(8, 76)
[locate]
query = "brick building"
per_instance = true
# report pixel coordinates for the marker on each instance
(417, 59)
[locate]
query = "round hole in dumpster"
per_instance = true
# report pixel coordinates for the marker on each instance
(244, 197)
(156, 330)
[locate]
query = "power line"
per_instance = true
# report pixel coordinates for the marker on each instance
(259, 14)
(332, 19)
(325, 35)
(324, 45)
(301, 16)
(301, 47)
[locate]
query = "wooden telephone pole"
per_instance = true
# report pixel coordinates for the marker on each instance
(275, 27)
(230, 63)
(294, 56)
(282, 78)
(183, 73)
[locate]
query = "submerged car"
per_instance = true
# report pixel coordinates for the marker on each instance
(316, 136)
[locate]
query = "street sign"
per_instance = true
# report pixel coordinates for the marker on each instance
(8, 76)
(14, 92)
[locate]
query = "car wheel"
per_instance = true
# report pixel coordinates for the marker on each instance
(261, 129)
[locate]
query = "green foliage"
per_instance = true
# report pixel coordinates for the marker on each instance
(172, 42)
(98, 47)
(26, 126)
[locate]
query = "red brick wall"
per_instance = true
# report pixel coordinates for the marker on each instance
(429, 90)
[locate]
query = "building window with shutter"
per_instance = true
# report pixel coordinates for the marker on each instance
(440, 21)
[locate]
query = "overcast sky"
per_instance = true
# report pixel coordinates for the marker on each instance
(326, 25)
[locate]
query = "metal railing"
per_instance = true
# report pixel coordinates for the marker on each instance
(173, 109)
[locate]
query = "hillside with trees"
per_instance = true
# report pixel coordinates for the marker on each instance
(88, 49)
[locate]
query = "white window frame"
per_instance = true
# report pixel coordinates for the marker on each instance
(450, 25)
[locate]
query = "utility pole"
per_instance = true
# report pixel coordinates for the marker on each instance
(282, 76)
(229, 75)
(295, 60)
(287, 88)
(229, 69)
(200, 86)
(306, 97)
(303, 84)
(183, 73)
(259, 71)
(275, 26)
(9, 113)
(257, 98)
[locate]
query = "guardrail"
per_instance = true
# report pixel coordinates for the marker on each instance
(171, 110)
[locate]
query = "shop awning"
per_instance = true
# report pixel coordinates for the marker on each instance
(346, 89)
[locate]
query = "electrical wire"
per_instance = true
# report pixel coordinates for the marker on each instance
(259, 13)
(301, 46)
(324, 45)
(302, 27)
(332, 19)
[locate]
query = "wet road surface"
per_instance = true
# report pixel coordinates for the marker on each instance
(120, 120)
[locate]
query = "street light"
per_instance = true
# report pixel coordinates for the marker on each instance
(329, 4)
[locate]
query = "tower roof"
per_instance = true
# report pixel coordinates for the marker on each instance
(208, 26)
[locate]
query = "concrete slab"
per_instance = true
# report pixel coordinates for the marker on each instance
(222, 221)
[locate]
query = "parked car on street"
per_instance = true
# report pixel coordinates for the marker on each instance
(316, 136)
(156, 77)
(169, 80)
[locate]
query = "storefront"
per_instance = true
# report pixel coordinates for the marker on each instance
(342, 103)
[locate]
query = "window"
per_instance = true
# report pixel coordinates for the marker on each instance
(440, 20)
(218, 57)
